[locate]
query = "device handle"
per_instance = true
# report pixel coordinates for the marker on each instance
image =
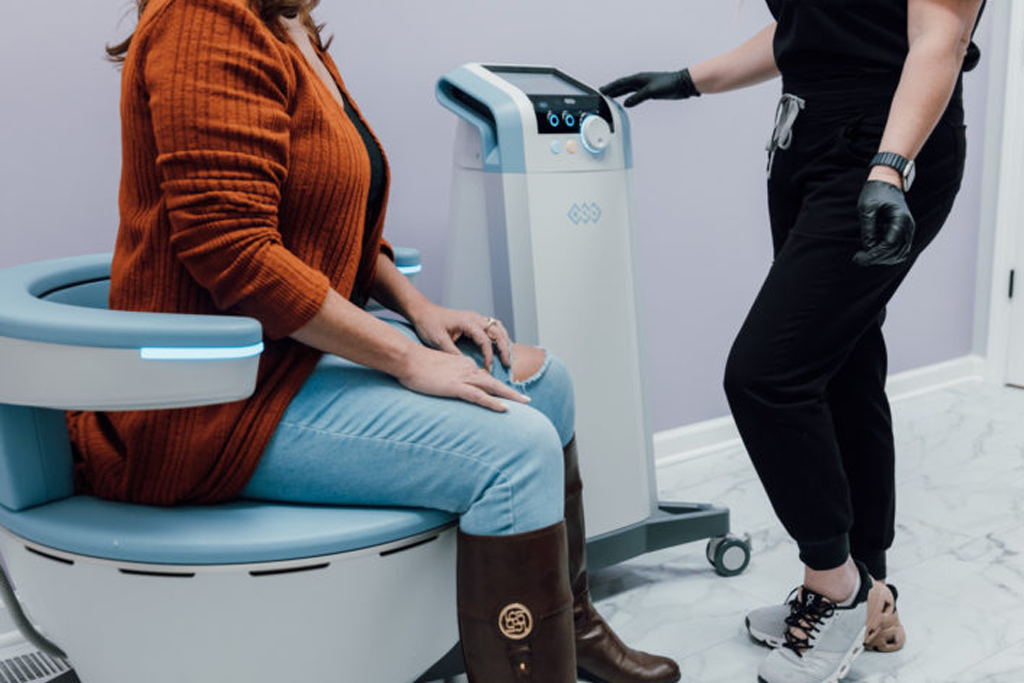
(474, 112)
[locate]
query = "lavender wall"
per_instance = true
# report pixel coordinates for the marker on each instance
(699, 165)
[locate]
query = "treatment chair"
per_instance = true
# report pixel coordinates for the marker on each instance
(241, 592)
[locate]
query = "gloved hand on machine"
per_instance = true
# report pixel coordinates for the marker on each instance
(653, 85)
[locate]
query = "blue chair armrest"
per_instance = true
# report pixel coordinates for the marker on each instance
(407, 260)
(28, 316)
(63, 356)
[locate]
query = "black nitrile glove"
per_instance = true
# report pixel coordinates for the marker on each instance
(653, 85)
(886, 226)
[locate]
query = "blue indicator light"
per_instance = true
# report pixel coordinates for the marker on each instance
(410, 270)
(556, 147)
(553, 120)
(570, 120)
(200, 353)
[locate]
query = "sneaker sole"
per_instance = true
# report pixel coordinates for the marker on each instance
(844, 666)
(885, 632)
(889, 636)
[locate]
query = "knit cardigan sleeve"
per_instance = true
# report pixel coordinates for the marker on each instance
(218, 87)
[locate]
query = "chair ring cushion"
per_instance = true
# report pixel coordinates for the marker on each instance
(239, 532)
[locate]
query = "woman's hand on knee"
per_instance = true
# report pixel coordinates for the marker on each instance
(448, 375)
(441, 327)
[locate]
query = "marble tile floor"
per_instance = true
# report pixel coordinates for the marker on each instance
(958, 559)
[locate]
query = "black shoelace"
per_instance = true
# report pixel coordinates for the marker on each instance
(807, 613)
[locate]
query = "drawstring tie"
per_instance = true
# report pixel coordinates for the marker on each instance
(785, 116)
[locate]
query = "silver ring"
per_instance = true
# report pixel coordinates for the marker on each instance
(489, 323)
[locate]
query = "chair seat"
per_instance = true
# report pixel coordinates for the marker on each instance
(239, 532)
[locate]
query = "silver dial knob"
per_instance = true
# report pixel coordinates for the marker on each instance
(595, 133)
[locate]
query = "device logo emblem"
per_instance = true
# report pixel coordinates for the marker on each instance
(585, 214)
(515, 621)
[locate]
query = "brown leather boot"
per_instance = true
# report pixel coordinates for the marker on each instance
(600, 654)
(515, 607)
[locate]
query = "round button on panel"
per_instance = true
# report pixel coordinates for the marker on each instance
(568, 119)
(553, 120)
(595, 133)
(556, 147)
(570, 147)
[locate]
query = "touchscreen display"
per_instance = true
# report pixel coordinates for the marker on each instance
(534, 83)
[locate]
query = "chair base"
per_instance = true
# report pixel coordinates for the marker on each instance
(381, 614)
(19, 656)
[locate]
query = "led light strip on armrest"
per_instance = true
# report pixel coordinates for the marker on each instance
(200, 353)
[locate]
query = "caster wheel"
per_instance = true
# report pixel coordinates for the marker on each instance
(729, 555)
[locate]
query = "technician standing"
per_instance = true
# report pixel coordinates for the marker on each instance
(872, 100)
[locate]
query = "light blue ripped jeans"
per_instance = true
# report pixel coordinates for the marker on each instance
(355, 436)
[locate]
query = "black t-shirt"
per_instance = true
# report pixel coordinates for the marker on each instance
(844, 37)
(378, 168)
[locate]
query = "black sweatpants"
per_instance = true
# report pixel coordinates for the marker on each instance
(806, 375)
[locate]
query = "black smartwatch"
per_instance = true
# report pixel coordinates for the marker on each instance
(904, 166)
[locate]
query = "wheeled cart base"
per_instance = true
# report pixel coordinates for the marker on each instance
(673, 524)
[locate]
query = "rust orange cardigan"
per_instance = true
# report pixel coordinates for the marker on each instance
(243, 190)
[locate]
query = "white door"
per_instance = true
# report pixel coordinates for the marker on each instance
(1014, 139)
(1006, 331)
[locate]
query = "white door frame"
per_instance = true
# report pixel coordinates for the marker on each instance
(1004, 189)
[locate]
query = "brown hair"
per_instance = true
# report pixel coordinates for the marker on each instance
(268, 10)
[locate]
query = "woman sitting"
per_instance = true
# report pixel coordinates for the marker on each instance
(252, 185)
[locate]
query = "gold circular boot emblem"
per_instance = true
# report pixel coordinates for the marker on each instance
(515, 621)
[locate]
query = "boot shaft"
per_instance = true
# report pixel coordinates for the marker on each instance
(576, 528)
(515, 607)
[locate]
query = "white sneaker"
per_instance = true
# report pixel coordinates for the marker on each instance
(767, 625)
(823, 639)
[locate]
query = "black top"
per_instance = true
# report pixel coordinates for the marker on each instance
(378, 169)
(860, 38)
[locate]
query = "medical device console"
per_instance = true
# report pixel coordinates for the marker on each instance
(543, 237)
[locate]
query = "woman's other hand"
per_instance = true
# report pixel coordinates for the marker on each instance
(455, 376)
(886, 225)
(441, 327)
(653, 85)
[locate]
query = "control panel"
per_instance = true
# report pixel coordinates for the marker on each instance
(561, 104)
(565, 115)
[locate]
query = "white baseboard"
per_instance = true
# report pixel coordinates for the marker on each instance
(904, 385)
(694, 440)
(710, 436)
